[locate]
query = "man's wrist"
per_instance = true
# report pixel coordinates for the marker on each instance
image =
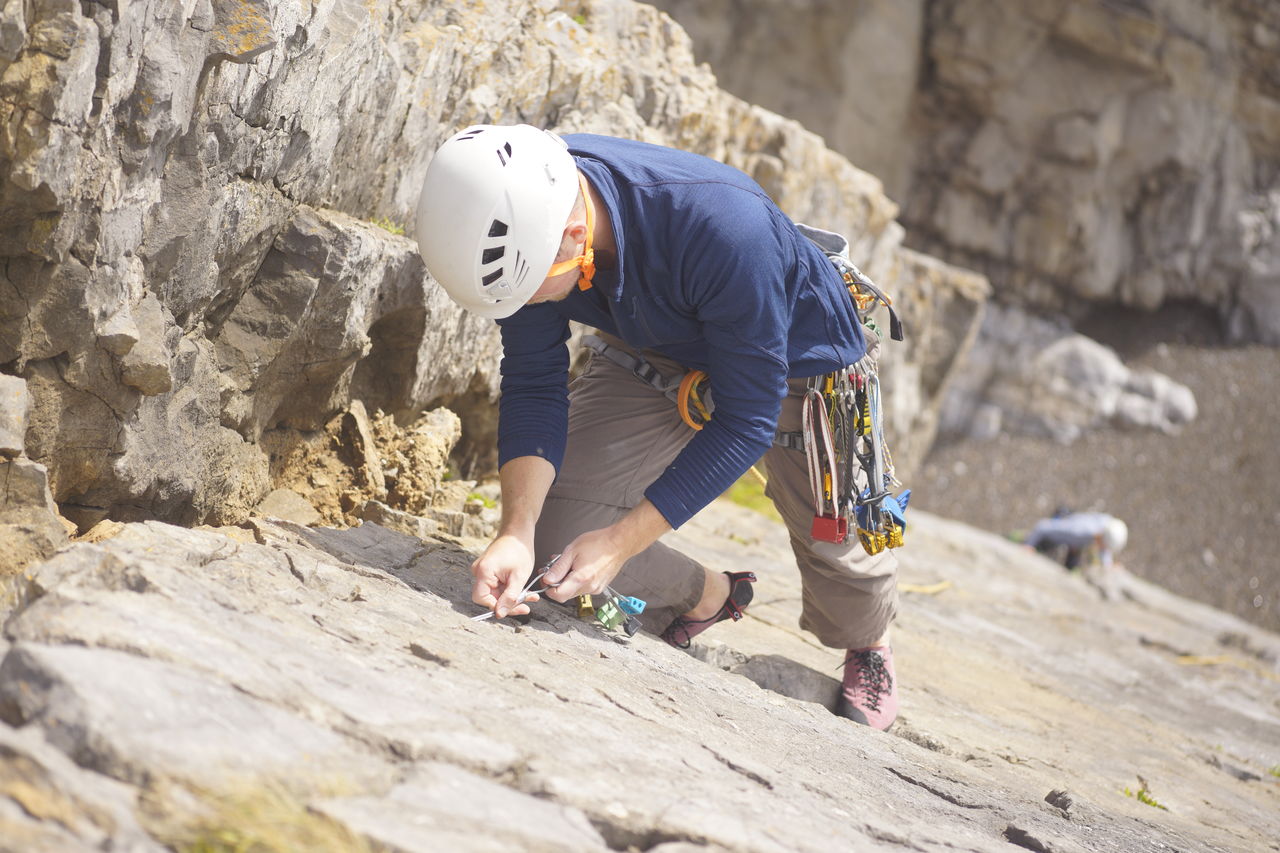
(638, 529)
(522, 530)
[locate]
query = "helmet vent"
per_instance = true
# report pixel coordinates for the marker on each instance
(504, 158)
(490, 278)
(491, 255)
(497, 228)
(471, 134)
(520, 269)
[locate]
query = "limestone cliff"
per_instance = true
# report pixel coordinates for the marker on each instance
(1077, 153)
(192, 272)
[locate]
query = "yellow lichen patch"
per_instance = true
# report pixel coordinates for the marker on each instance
(243, 30)
(266, 818)
(40, 803)
(42, 228)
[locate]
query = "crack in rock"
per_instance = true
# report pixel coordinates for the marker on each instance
(945, 795)
(737, 768)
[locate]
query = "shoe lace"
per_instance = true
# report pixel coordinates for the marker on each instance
(873, 676)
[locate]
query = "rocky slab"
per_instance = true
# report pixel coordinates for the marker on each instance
(164, 663)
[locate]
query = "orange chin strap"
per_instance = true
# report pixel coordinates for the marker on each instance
(587, 260)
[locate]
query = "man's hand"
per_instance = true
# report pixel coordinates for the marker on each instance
(590, 563)
(504, 567)
(500, 573)
(587, 565)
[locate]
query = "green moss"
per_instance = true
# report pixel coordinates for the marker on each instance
(749, 492)
(1143, 795)
(580, 19)
(389, 225)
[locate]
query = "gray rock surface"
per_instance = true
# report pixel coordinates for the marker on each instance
(288, 505)
(1030, 376)
(49, 804)
(14, 403)
(1078, 152)
(188, 193)
(30, 529)
(170, 664)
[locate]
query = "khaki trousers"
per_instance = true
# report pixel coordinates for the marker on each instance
(623, 433)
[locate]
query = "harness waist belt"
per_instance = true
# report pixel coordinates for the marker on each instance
(670, 387)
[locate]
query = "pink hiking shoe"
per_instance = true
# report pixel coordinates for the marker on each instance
(869, 694)
(681, 631)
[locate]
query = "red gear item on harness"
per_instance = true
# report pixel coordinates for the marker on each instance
(829, 525)
(587, 260)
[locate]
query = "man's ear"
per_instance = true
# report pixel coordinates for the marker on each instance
(576, 230)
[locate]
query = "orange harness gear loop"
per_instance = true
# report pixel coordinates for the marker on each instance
(689, 391)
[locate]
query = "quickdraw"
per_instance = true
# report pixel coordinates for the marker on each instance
(842, 424)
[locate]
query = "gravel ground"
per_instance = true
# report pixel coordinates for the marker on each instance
(1203, 506)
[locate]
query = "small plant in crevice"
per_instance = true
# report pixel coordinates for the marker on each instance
(1143, 795)
(387, 224)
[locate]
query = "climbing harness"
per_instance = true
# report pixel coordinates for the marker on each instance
(843, 424)
(691, 393)
(842, 434)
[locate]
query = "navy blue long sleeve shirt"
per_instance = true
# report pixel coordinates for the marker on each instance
(710, 273)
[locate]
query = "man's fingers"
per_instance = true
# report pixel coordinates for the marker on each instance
(508, 601)
(558, 570)
(482, 593)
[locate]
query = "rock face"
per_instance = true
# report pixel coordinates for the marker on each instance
(187, 195)
(1034, 377)
(150, 679)
(29, 524)
(1077, 153)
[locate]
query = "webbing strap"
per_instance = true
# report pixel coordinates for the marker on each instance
(641, 369)
(789, 440)
(648, 374)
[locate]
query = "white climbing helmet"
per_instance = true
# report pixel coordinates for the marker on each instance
(1115, 535)
(492, 211)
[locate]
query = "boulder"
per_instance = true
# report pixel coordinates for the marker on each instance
(30, 527)
(1032, 376)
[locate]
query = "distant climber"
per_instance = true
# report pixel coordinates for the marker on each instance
(1080, 538)
(683, 264)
